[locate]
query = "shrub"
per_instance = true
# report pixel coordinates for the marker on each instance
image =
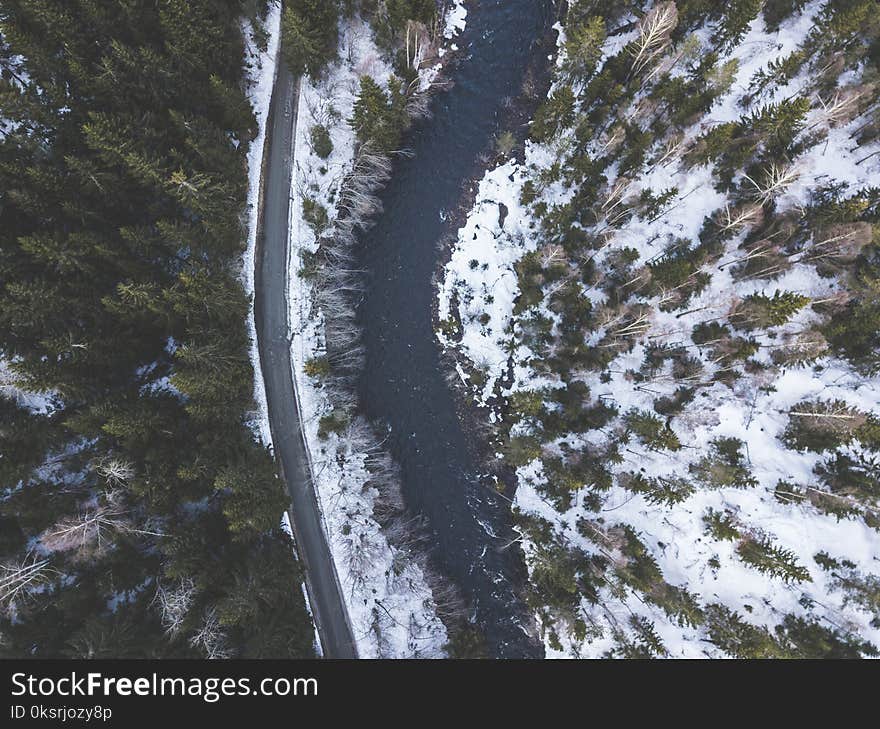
(321, 142)
(724, 466)
(651, 430)
(335, 422)
(505, 143)
(315, 215)
(317, 367)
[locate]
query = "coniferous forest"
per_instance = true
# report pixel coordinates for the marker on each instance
(692, 329)
(139, 516)
(601, 379)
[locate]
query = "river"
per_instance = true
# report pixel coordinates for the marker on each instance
(403, 384)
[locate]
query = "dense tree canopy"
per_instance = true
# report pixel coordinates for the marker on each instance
(123, 127)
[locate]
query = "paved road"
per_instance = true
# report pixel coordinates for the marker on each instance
(272, 329)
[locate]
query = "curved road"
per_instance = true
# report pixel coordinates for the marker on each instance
(270, 312)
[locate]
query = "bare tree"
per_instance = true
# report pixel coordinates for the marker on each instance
(776, 179)
(800, 348)
(211, 637)
(174, 604)
(734, 220)
(843, 241)
(362, 553)
(613, 210)
(90, 531)
(670, 150)
(625, 322)
(839, 109)
(20, 580)
(654, 30)
(116, 471)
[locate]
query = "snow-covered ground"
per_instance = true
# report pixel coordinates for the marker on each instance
(456, 19)
(480, 275)
(260, 77)
(479, 289)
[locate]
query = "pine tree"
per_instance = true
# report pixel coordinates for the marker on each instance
(776, 11)
(758, 311)
(824, 425)
(322, 144)
(652, 431)
(252, 499)
(766, 557)
(809, 639)
(778, 124)
(658, 490)
(300, 47)
(778, 72)
(24, 440)
(583, 50)
(556, 113)
(738, 638)
(854, 476)
(862, 590)
(737, 15)
(721, 525)
(379, 117)
(310, 34)
(644, 642)
(854, 331)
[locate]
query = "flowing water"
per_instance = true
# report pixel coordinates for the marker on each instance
(403, 384)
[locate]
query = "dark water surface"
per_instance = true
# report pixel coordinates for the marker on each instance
(403, 384)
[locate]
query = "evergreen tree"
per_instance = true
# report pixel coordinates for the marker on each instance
(121, 165)
(583, 50)
(763, 555)
(652, 431)
(724, 467)
(379, 117)
(738, 638)
(556, 113)
(735, 20)
(811, 640)
(854, 331)
(758, 311)
(310, 34)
